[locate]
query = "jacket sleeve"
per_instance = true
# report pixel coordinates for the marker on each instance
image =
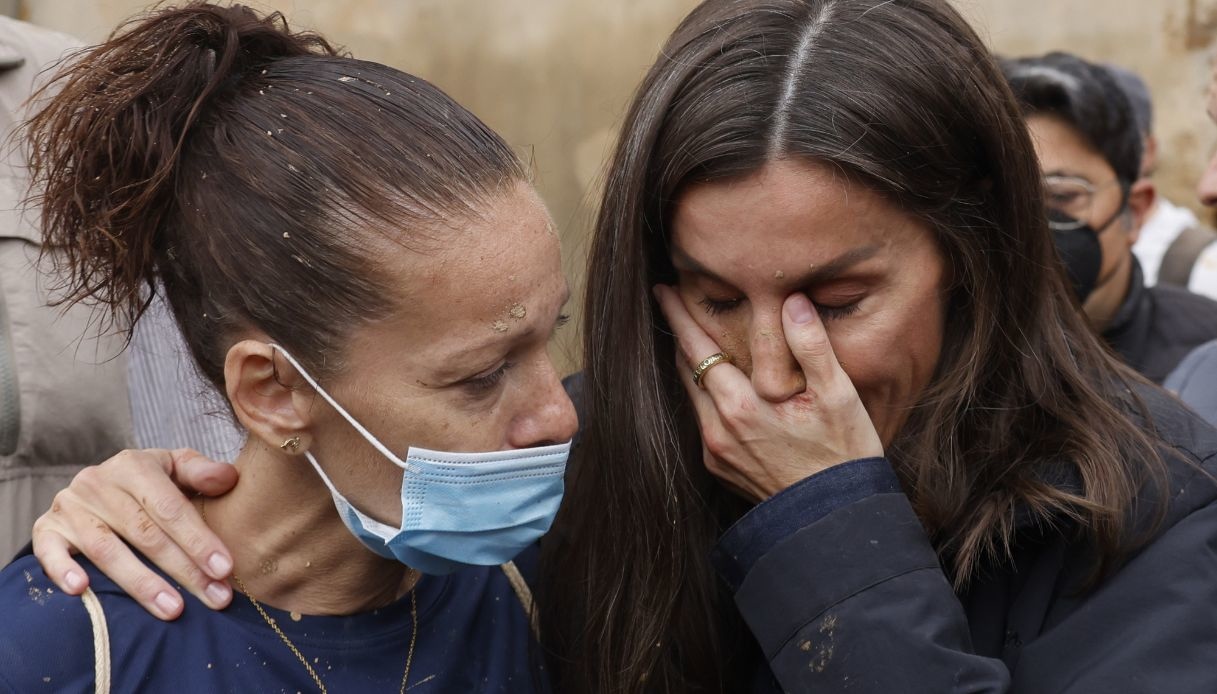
(841, 588)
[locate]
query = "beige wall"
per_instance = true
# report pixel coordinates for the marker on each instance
(554, 75)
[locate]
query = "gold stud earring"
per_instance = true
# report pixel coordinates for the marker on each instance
(291, 445)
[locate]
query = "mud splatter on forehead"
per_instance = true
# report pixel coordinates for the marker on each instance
(516, 312)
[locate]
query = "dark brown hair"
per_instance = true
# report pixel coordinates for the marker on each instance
(902, 97)
(250, 171)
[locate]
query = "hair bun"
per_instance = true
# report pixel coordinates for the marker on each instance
(104, 151)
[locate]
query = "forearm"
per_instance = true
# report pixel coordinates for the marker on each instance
(846, 591)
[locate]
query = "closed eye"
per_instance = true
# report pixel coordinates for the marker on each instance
(715, 307)
(718, 307)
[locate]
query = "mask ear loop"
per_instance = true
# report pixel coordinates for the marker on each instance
(384, 450)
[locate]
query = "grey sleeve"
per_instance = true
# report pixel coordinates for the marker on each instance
(1195, 381)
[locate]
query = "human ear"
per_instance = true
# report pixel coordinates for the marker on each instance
(1141, 198)
(265, 395)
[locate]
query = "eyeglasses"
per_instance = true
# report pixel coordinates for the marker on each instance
(1073, 197)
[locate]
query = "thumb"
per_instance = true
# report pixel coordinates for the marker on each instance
(194, 471)
(808, 341)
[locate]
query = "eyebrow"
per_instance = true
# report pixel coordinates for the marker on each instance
(1061, 173)
(684, 262)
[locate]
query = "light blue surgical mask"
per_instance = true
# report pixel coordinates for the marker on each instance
(457, 509)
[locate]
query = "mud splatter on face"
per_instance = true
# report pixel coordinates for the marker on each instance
(779, 275)
(518, 311)
(499, 326)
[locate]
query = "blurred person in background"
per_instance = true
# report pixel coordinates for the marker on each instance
(1173, 247)
(63, 399)
(1089, 146)
(1195, 379)
(69, 395)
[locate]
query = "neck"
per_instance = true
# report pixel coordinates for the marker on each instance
(291, 550)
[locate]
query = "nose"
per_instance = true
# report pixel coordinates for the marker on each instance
(1207, 188)
(547, 415)
(776, 375)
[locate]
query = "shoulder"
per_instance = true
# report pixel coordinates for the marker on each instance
(1178, 309)
(46, 636)
(1195, 380)
(1188, 448)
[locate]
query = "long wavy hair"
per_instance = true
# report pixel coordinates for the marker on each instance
(904, 98)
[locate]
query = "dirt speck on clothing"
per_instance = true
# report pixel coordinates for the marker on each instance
(822, 653)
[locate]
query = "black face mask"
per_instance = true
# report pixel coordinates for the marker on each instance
(1081, 253)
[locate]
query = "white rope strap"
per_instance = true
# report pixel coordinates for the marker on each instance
(101, 641)
(524, 593)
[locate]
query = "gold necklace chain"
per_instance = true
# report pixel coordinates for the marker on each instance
(405, 676)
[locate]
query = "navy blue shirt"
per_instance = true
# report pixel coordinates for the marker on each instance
(473, 637)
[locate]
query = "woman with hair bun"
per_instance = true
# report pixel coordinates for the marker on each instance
(367, 305)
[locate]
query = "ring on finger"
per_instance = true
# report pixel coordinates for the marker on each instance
(706, 364)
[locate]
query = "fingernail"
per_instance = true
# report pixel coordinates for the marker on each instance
(799, 309)
(167, 603)
(217, 593)
(74, 580)
(219, 565)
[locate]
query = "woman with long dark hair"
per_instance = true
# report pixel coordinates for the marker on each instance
(368, 306)
(843, 426)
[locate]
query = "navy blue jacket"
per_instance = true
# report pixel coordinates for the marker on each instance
(839, 584)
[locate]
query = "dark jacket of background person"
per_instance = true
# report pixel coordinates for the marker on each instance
(1195, 381)
(1156, 327)
(842, 587)
(63, 399)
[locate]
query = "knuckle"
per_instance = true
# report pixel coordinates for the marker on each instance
(146, 586)
(714, 442)
(44, 543)
(145, 533)
(170, 509)
(102, 548)
(123, 459)
(88, 478)
(194, 544)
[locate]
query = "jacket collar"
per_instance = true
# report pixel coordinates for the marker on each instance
(1128, 332)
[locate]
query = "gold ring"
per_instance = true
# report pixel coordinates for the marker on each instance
(706, 364)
